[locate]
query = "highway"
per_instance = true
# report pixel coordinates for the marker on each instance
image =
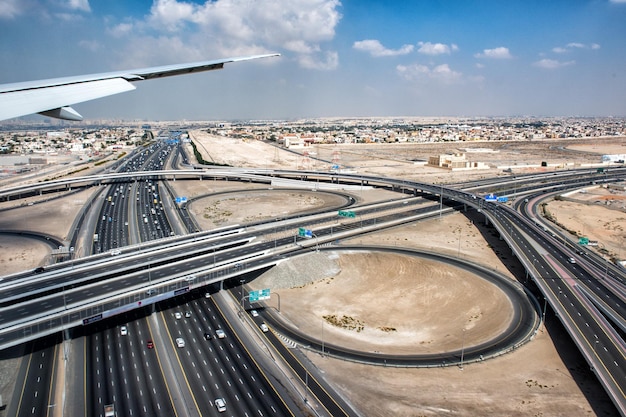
(169, 346)
(572, 290)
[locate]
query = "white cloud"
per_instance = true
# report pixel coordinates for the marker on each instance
(428, 48)
(441, 73)
(329, 61)
(574, 45)
(120, 30)
(90, 45)
(172, 14)
(9, 9)
(496, 53)
(82, 5)
(68, 17)
(301, 47)
(376, 49)
(226, 26)
(552, 63)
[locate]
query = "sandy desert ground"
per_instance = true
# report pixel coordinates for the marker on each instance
(546, 377)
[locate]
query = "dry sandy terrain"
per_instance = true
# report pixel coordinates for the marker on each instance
(546, 377)
(393, 304)
(599, 214)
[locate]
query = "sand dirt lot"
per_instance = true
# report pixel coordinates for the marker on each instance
(546, 377)
(393, 304)
(597, 213)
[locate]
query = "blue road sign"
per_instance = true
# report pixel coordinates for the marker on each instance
(491, 197)
(259, 295)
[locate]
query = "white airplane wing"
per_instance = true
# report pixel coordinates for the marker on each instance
(54, 97)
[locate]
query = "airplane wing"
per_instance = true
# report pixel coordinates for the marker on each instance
(54, 97)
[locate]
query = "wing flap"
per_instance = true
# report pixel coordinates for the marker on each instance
(38, 100)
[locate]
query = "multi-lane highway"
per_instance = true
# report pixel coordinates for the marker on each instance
(116, 283)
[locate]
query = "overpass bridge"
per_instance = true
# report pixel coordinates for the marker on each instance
(542, 256)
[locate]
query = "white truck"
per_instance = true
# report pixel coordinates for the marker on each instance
(109, 410)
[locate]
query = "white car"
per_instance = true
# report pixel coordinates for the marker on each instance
(254, 313)
(220, 334)
(180, 342)
(115, 252)
(264, 328)
(178, 316)
(123, 330)
(220, 404)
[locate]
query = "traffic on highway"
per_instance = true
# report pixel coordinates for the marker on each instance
(148, 315)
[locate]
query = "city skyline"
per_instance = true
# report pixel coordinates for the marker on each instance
(338, 59)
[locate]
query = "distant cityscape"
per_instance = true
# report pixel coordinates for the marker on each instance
(50, 139)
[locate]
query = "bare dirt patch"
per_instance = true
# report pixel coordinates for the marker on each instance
(600, 216)
(256, 205)
(392, 303)
(19, 253)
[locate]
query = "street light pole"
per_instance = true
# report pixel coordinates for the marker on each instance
(441, 201)
(278, 295)
(241, 281)
(462, 349)
(322, 336)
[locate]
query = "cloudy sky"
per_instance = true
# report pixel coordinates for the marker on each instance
(338, 58)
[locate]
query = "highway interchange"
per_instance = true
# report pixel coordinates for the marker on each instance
(584, 294)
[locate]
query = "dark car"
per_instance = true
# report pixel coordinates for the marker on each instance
(208, 336)
(39, 270)
(150, 344)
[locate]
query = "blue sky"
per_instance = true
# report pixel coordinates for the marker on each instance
(338, 59)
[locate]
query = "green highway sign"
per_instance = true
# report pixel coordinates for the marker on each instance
(583, 240)
(346, 213)
(259, 295)
(302, 232)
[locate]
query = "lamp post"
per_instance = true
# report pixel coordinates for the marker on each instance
(322, 336)
(241, 282)
(278, 295)
(441, 201)
(462, 349)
